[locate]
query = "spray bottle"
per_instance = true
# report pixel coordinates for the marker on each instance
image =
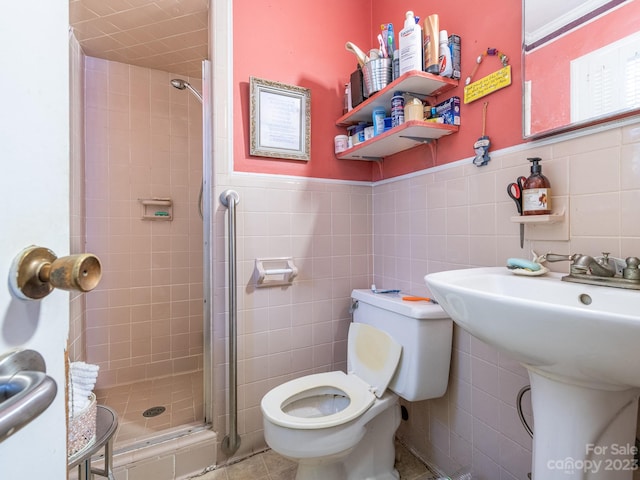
(431, 47)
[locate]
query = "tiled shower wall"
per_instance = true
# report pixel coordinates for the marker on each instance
(458, 217)
(143, 140)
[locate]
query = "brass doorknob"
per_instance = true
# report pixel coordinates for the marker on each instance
(36, 271)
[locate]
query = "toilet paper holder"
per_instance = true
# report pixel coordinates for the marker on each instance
(272, 272)
(36, 271)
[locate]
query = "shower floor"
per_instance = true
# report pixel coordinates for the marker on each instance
(180, 395)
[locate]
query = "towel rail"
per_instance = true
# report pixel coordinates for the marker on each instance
(231, 442)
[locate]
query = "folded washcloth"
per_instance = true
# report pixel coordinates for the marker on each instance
(84, 369)
(82, 380)
(82, 392)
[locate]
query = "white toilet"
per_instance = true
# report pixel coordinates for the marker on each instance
(341, 426)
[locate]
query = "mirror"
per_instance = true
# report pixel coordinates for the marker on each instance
(581, 63)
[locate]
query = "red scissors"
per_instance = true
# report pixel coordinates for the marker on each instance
(514, 190)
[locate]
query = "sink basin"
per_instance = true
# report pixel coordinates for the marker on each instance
(579, 344)
(586, 333)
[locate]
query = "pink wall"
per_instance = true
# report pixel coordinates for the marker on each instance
(308, 50)
(551, 87)
(298, 43)
(491, 23)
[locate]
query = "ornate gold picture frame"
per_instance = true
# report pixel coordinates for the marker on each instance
(280, 120)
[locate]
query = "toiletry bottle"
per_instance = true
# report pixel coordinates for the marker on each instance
(397, 109)
(396, 64)
(347, 99)
(378, 120)
(410, 43)
(446, 66)
(536, 195)
(431, 44)
(454, 45)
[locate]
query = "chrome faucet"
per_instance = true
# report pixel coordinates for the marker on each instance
(586, 264)
(599, 271)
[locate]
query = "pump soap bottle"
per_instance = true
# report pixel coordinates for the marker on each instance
(536, 195)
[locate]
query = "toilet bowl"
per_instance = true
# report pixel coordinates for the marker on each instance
(340, 425)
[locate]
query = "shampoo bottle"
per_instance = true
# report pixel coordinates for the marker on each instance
(536, 195)
(446, 65)
(410, 45)
(431, 44)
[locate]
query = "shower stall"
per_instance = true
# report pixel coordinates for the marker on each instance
(142, 202)
(143, 208)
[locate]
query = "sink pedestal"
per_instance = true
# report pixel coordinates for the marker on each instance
(582, 432)
(579, 343)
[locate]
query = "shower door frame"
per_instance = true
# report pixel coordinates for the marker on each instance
(208, 236)
(217, 164)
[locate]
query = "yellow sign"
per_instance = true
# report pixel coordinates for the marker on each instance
(488, 84)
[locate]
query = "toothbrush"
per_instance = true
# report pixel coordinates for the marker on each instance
(383, 49)
(390, 40)
(375, 290)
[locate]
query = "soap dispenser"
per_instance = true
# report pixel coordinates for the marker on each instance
(536, 194)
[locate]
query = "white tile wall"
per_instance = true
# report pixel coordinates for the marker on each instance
(462, 220)
(287, 332)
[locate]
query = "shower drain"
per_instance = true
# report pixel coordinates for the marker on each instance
(153, 411)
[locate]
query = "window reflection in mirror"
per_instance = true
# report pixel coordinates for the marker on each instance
(581, 63)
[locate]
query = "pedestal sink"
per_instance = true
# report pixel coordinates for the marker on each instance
(581, 347)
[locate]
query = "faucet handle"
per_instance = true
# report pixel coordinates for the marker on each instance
(631, 272)
(556, 257)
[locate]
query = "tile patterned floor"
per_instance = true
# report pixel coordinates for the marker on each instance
(271, 466)
(180, 395)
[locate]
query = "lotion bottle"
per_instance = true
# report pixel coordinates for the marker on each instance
(410, 43)
(536, 195)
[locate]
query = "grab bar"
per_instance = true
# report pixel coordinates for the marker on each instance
(231, 442)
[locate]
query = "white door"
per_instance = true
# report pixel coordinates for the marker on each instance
(34, 209)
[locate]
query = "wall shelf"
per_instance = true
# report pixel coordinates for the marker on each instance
(403, 137)
(421, 84)
(542, 219)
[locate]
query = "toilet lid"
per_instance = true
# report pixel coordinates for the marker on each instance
(321, 385)
(373, 356)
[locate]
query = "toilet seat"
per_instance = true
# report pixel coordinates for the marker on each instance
(328, 383)
(372, 359)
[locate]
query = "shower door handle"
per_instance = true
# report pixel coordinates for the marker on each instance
(25, 390)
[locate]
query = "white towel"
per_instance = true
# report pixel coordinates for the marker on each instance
(79, 405)
(82, 369)
(82, 380)
(80, 392)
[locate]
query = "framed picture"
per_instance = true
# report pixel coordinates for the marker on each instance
(280, 120)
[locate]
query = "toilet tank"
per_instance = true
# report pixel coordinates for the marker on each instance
(425, 332)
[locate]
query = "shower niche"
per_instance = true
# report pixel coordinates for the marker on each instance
(157, 209)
